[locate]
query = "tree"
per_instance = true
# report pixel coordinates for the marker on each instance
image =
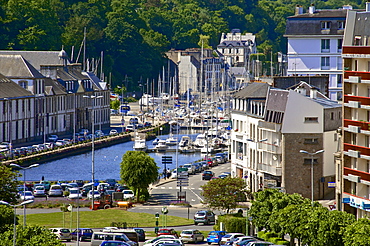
(138, 171)
(8, 184)
(224, 194)
(29, 236)
(357, 233)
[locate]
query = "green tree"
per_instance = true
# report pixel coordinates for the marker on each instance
(138, 171)
(357, 233)
(8, 184)
(224, 194)
(30, 236)
(115, 104)
(6, 218)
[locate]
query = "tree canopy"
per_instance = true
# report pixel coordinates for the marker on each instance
(224, 194)
(135, 34)
(8, 184)
(138, 171)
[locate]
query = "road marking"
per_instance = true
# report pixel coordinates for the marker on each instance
(197, 195)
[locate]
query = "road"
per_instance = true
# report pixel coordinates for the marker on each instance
(166, 192)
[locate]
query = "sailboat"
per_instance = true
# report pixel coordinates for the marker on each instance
(186, 145)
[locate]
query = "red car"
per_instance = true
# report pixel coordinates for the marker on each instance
(165, 231)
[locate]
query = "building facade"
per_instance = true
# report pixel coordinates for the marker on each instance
(353, 184)
(269, 131)
(315, 45)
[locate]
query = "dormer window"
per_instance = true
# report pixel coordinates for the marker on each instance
(341, 25)
(325, 25)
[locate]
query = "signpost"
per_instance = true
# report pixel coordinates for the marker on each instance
(166, 160)
(182, 180)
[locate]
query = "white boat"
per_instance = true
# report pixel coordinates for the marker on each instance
(155, 141)
(140, 144)
(171, 140)
(200, 141)
(204, 150)
(187, 149)
(185, 141)
(161, 146)
(175, 126)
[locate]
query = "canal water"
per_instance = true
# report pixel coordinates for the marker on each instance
(107, 162)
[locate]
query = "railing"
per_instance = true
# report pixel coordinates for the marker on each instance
(363, 75)
(273, 170)
(362, 174)
(361, 149)
(364, 125)
(363, 100)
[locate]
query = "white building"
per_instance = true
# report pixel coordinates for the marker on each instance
(315, 45)
(271, 126)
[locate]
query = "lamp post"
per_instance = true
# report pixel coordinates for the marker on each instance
(24, 185)
(92, 97)
(15, 216)
(311, 154)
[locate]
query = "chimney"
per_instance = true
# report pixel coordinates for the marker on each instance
(298, 10)
(313, 92)
(311, 9)
(367, 6)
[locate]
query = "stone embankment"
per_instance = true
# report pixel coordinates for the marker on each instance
(79, 148)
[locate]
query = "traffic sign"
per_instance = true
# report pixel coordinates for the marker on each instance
(182, 169)
(166, 159)
(182, 184)
(183, 178)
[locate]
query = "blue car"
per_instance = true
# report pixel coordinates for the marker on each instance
(215, 236)
(84, 234)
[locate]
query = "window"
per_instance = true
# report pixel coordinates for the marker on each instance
(325, 25)
(311, 141)
(341, 25)
(339, 45)
(332, 115)
(357, 40)
(325, 45)
(23, 84)
(325, 63)
(311, 119)
(339, 80)
(308, 161)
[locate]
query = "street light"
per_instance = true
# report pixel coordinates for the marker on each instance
(92, 97)
(15, 216)
(311, 154)
(24, 185)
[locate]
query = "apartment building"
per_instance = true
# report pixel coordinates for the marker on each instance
(272, 126)
(353, 181)
(315, 45)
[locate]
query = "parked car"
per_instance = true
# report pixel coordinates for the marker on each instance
(259, 243)
(163, 237)
(83, 234)
(74, 193)
(96, 194)
(26, 195)
(147, 124)
(99, 133)
(245, 242)
(141, 233)
(60, 143)
(215, 236)
(230, 236)
(207, 175)
(190, 167)
(84, 132)
(204, 216)
(167, 231)
(191, 235)
(238, 240)
(56, 190)
(133, 120)
(128, 194)
(62, 233)
(39, 190)
(130, 128)
(114, 243)
(113, 132)
(52, 138)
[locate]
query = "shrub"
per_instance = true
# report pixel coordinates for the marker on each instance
(232, 223)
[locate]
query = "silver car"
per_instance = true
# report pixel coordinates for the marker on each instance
(191, 235)
(62, 233)
(56, 190)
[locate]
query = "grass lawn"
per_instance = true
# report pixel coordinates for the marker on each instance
(100, 218)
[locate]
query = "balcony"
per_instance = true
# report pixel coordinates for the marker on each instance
(266, 168)
(363, 175)
(356, 51)
(269, 147)
(363, 75)
(362, 100)
(364, 152)
(363, 125)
